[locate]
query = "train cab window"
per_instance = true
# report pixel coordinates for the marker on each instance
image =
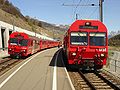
(79, 38)
(13, 41)
(23, 42)
(97, 39)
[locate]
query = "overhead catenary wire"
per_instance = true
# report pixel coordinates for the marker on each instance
(74, 14)
(85, 11)
(93, 13)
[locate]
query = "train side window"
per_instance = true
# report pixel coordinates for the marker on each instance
(31, 43)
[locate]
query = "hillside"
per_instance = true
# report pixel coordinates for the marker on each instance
(114, 41)
(12, 15)
(55, 30)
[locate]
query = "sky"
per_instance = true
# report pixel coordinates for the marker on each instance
(52, 11)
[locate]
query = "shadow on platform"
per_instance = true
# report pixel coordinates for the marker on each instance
(59, 57)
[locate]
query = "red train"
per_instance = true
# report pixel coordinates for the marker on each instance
(21, 45)
(86, 44)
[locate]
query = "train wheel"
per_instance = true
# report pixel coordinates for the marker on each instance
(11, 56)
(72, 67)
(100, 66)
(97, 67)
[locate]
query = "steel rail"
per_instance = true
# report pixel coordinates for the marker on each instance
(87, 81)
(107, 81)
(4, 61)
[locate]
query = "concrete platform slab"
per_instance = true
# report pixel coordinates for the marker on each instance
(3, 53)
(37, 73)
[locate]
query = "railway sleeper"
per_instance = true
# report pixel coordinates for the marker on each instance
(96, 81)
(103, 87)
(98, 84)
(81, 80)
(4, 66)
(85, 86)
(83, 83)
(0, 69)
(86, 89)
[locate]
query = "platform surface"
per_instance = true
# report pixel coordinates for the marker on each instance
(38, 72)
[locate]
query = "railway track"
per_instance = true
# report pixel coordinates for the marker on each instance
(93, 81)
(7, 63)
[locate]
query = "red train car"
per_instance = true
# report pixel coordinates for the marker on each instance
(86, 44)
(22, 45)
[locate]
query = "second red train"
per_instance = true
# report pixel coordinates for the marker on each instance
(21, 44)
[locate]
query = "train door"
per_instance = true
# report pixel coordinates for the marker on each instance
(40, 44)
(3, 38)
(32, 45)
(10, 31)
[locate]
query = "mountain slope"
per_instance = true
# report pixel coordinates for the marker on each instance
(114, 41)
(12, 15)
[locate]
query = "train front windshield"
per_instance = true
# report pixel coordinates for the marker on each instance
(13, 41)
(97, 39)
(79, 38)
(20, 42)
(23, 42)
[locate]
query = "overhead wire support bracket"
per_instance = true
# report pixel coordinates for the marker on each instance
(79, 5)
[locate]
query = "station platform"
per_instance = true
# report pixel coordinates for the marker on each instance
(4, 53)
(42, 71)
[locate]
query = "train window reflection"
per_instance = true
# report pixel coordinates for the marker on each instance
(23, 42)
(79, 38)
(13, 41)
(97, 39)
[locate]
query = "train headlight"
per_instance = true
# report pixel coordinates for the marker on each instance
(88, 24)
(10, 49)
(102, 55)
(23, 50)
(74, 54)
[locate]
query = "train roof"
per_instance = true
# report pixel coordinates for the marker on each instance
(19, 34)
(28, 35)
(75, 26)
(22, 35)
